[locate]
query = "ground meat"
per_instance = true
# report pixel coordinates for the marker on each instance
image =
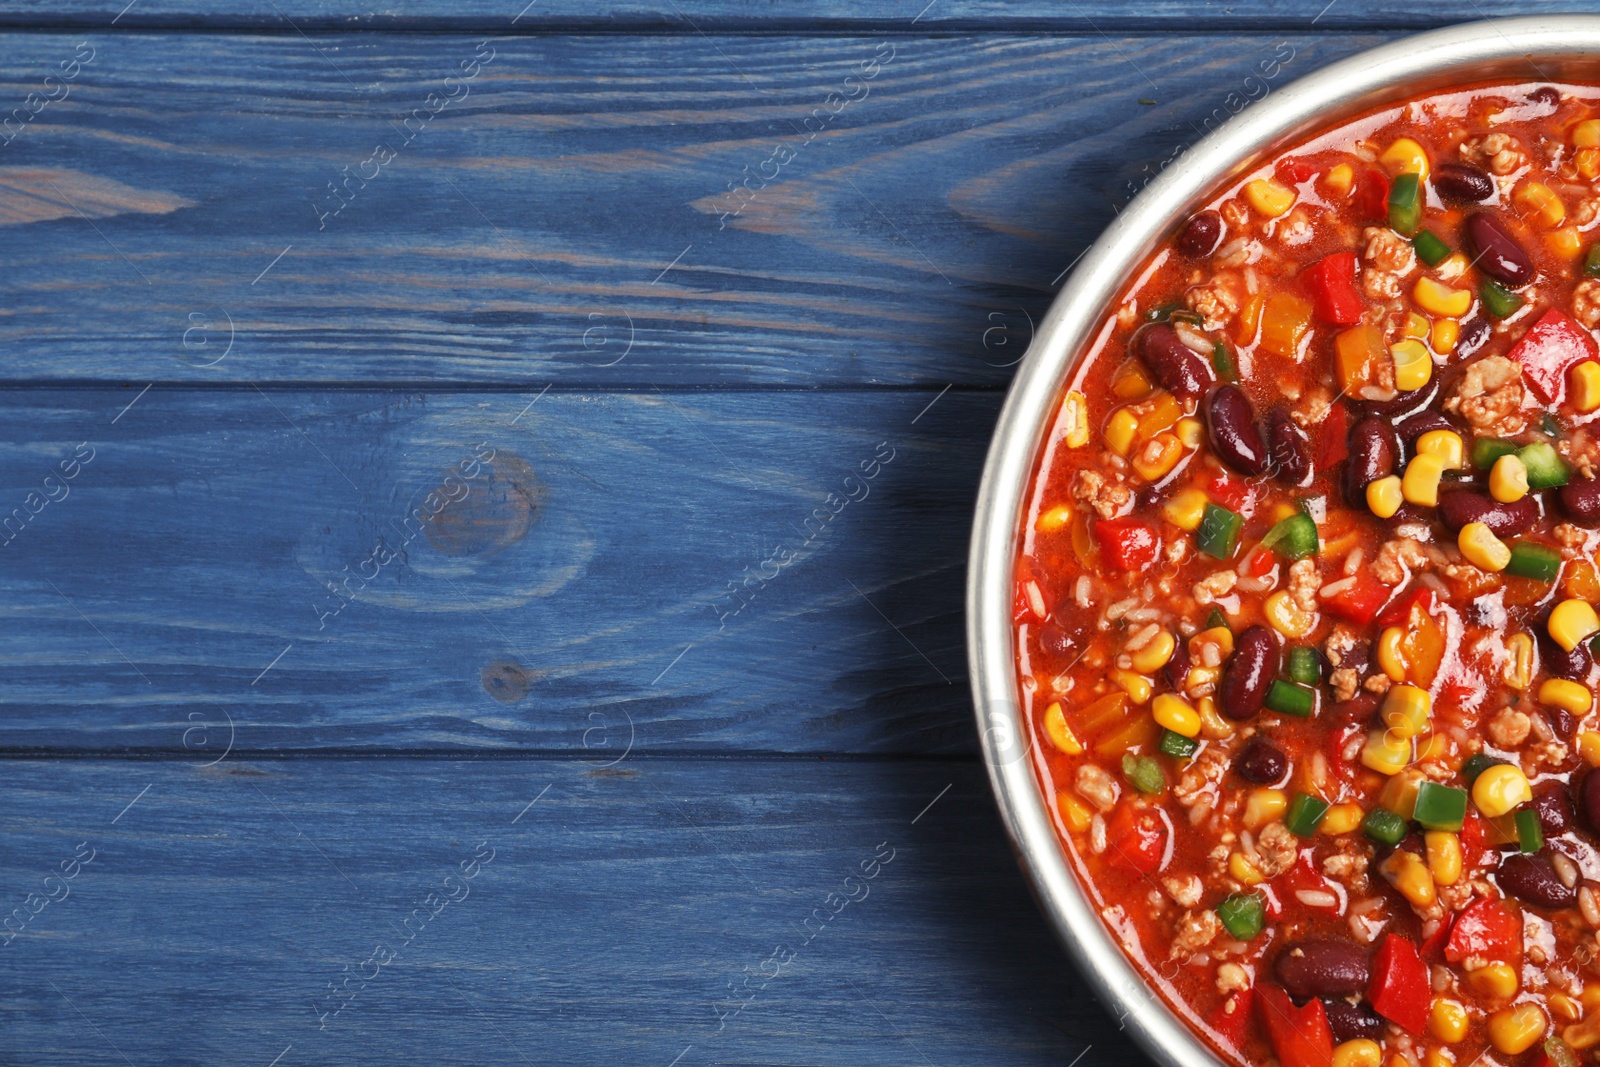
(1315, 408)
(1339, 644)
(1277, 849)
(1586, 302)
(1500, 152)
(1396, 559)
(1509, 729)
(1184, 891)
(1231, 977)
(1196, 930)
(1349, 867)
(1345, 683)
(1096, 786)
(1569, 536)
(1214, 585)
(1217, 302)
(1378, 683)
(1106, 496)
(1388, 251)
(1489, 396)
(1304, 581)
(1380, 285)
(1202, 772)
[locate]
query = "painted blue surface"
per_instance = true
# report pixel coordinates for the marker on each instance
(533, 505)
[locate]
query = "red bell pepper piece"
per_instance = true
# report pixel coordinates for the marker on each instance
(1433, 949)
(1300, 1036)
(1295, 171)
(1233, 494)
(1400, 989)
(1138, 838)
(1398, 612)
(1372, 193)
(1128, 544)
(1232, 1015)
(1332, 438)
(1548, 350)
(1359, 603)
(1474, 844)
(1488, 929)
(1331, 281)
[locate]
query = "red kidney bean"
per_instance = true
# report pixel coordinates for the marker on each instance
(1580, 501)
(1249, 673)
(1573, 666)
(1554, 808)
(1424, 422)
(1351, 1021)
(1176, 367)
(1457, 181)
(1474, 332)
(1322, 968)
(1200, 235)
(1461, 506)
(1063, 642)
(1231, 429)
(1547, 95)
(1588, 797)
(1374, 454)
(1177, 668)
(1289, 449)
(1496, 252)
(1533, 880)
(1406, 403)
(1560, 720)
(1261, 762)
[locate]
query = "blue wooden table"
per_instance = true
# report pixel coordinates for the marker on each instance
(485, 491)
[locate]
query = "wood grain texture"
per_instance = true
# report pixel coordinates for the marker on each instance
(163, 550)
(724, 16)
(606, 927)
(524, 233)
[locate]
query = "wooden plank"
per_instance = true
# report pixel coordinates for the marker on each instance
(730, 16)
(571, 219)
(179, 560)
(606, 923)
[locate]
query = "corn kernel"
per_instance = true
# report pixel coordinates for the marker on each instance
(1447, 445)
(1411, 877)
(1588, 161)
(1416, 326)
(1438, 298)
(1519, 661)
(1573, 622)
(1219, 636)
(1074, 812)
(1358, 1052)
(1433, 747)
(1406, 710)
(1508, 479)
(1439, 1057)
(1385, 751)
(1263, 806)
(1158, 457)
(1497, 980)
(1448, 1020)
(1120, 430)
(1406, 156)
(1567, 695)
(1191, 432)
(1583, 1035)
(1565, 242)
(1270, 197)
(1500, 789)
(1339, 179)
(1515, 1030)
(1586, 134)
(1075, 420)
(1540, 203)
(1384, 496)
(1213, 727)
(1445, 332)
(1242, 870)
(1590, 997)
(1286, 617)
(1482, 548)
(1154, 656)
(1563, 1007)
(1130, 382)
(1585, 395)
(1444, 856)
(1589, 747)
(1420, 485)
(1054, 520)
(1186, 509)
(1413, 364)
(1137, 686)
(1341, 819)
(1060, 734)
(1174, 713)
(1391, 657)
(1453, 267)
